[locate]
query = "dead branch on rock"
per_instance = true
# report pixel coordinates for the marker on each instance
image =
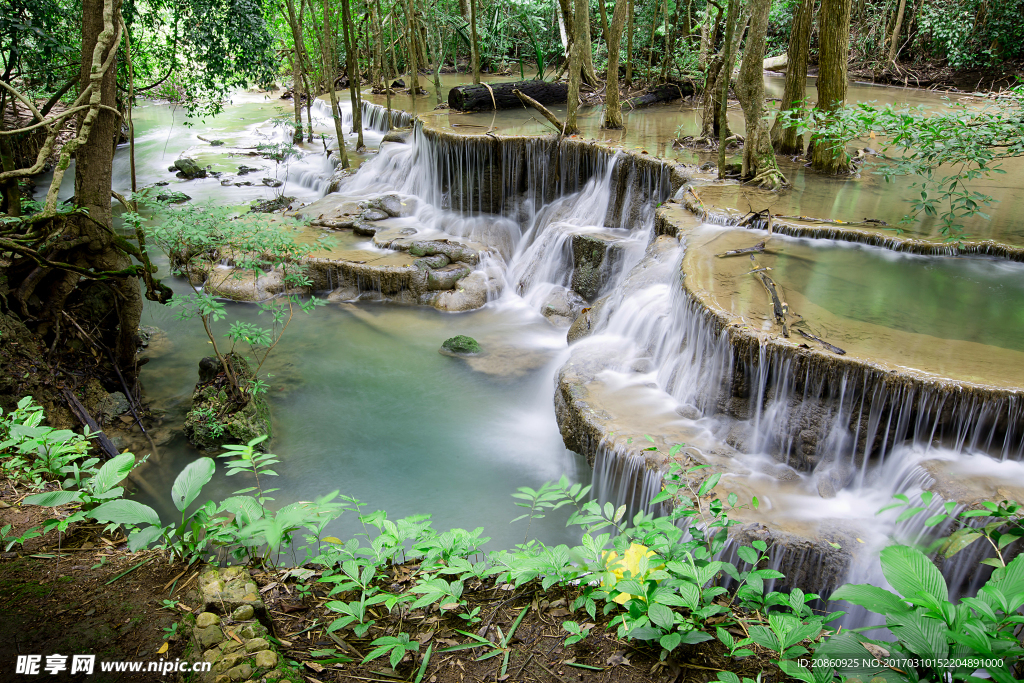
(544, 111)
(828, 347)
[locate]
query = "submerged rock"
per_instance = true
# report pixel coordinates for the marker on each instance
(271, 205)
(373, 215)
(273, 182)
(173, 197)
(460, 345)
(562, 307)
(445, 278)
(217, 416)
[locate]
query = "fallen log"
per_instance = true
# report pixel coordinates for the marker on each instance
(544, 111)
(503, 96)
(662, 93)
(85, 418)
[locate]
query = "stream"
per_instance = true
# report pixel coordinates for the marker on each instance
(363, 402)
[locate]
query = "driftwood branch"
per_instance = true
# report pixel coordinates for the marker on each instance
(756, 249)
(828, 347)
(544, 111)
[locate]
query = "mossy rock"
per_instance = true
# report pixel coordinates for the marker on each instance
(460, 345)
(215, 418)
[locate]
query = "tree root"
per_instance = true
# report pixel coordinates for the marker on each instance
(769, 179)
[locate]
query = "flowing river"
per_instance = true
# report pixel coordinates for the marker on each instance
(363, 402)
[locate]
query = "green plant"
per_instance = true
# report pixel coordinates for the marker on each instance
(197, 240)
(396, 645)
(170, 631)
(501, 648)
(576, 631)
(935, 638)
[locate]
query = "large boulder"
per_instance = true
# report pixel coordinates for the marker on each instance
(400, 135)
(453, 250)
(593, 259)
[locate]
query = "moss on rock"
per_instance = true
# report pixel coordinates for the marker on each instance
(216, 418)
(460, 345)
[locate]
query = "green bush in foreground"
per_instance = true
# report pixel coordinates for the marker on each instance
(658, 577)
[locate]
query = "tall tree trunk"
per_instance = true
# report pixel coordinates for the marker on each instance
(834, 38)
(93, 171)
(894, 44)
(414, 67)
(669, 36)
(580, 16)
(629, 44)
(293, 24)
(583, 32)
(377, 72)
(474, 44)
(729, 56)
(604, 21)
(330, 68)
(787, 140)
(352, 58)
(759, 162)
(612, 109)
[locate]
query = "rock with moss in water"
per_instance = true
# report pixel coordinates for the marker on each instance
(189, 169)
(218, 416)
(460, 345)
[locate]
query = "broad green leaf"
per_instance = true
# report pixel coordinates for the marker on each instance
(910, 572)
(661, 615)
(113, 472)
(871, 598)
(53, 498)
(923, 636)
(141, 538)
(126, 512)
(191, 481)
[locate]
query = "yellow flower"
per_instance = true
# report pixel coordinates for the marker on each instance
(630, 563)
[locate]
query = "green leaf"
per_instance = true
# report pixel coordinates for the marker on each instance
(871, 598)
(923, 636)
(140, 539)
(671, 641)
(126, 512)
(190, 482)
(794, 670)
(910, 572)
(53, 498)
(661, 615)
(113, 472)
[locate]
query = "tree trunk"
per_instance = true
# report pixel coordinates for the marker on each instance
(583, 33)
(894, 44)
(330, 63)
(759, 161)
(612, 110)
(629, 44)
(474, 44)
(293, 24)
(834, 38)
(731, 21)
(377, 73)
(352, 58)
(93, 170)
(786, 139)
(580, 17)
(414, 68)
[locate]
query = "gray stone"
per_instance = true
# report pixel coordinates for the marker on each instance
(562, 307)
(265, 659)
(243, 613)
(453, 250)
(373, 215)
(435, 261)
(256, 644)
(173, 197)
(593, 258)
(445, 278)
(364, 229)
(207, 619)
(209, 636)
(240, 672)
(273, 182)
(689, 412)
(113, 405)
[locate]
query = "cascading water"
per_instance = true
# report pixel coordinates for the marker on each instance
(842, 441)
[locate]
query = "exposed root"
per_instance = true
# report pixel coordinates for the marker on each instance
(769, 179)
